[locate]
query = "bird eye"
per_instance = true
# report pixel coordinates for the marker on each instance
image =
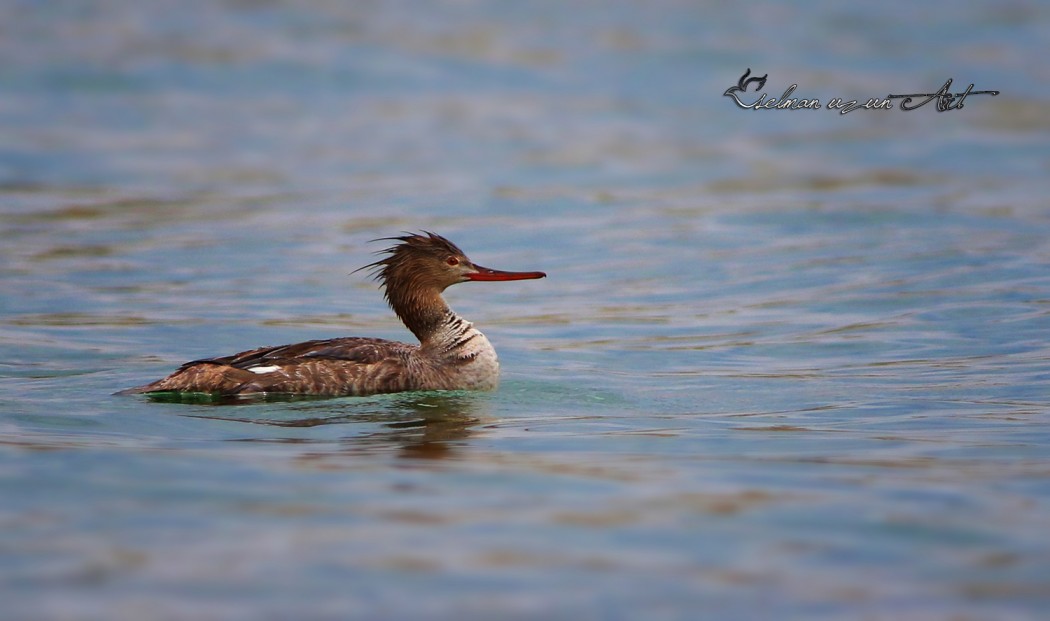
(453, 261)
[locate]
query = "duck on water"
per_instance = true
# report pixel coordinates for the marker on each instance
(452, 354)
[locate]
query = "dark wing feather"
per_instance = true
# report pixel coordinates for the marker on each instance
(359, 350)
(346, 366)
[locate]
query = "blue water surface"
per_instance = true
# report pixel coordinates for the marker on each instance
(787, 364)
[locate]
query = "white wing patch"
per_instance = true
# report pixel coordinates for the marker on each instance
(262, 370)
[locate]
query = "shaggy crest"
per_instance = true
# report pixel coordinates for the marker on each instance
(412, 244)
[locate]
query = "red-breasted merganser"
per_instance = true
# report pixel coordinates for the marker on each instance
(452, 354)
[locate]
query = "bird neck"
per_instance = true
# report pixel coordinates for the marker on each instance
(423, 311)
